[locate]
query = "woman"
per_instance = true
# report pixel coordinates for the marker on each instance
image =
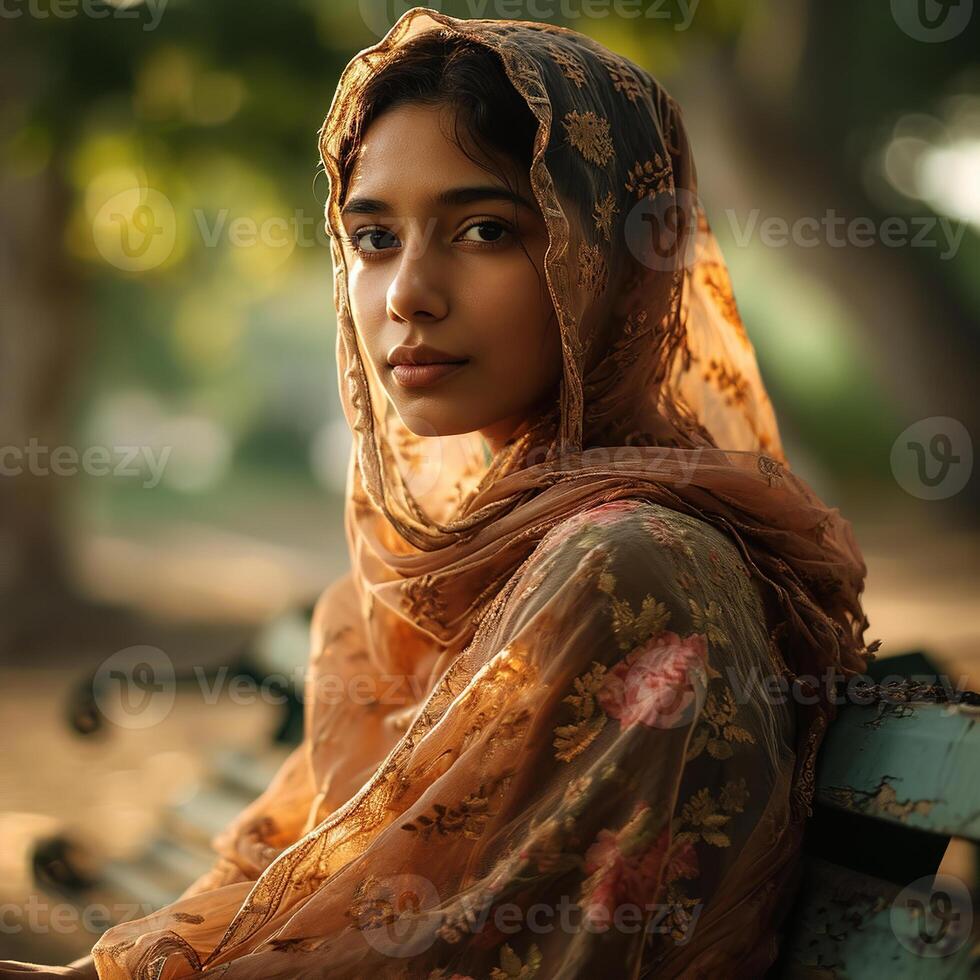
(546, 734)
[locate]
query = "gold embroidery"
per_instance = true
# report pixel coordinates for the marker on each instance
(603, 214)
(571, 67)
(511, 967)
(650, 178)
(455, 925)
(622, 77)
(707, 818)
(573, 739)
(410, 449)
(188, 917)
(715, 278)
(728, 380)
(575, 791)
(771, 469)
(606, 581)
(500, 681)
(412, 778)
(468, 817)
(635, 321)
(508, 672)
(707, 620)
(678, 919)
(375, 904)
(592, 271)
(630, 628)
(421, 598)
(717, 571)
(545, 848)
(804, 789)
(590, 135)
(508, 726)
(717, 729)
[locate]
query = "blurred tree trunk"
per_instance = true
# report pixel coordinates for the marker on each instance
(39, 347)
(752, 154)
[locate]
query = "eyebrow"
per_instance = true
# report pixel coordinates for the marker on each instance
(454, 197)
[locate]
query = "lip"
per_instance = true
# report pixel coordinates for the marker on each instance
(423, 375)
(422, 354)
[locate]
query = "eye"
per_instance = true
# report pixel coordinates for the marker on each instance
(496, 229)
(372, 240)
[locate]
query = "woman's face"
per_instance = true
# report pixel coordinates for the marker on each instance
(436, 272)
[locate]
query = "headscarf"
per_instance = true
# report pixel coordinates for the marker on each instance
(664, 404)
(670, 406)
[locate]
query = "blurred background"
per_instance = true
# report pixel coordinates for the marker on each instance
(174, 450)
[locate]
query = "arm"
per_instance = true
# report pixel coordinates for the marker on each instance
(85, 968)
(82, 969)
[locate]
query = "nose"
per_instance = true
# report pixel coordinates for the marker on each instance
(417, 291)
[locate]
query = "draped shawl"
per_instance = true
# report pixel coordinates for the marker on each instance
(539, 687)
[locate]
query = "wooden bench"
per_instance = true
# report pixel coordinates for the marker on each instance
(895, 782)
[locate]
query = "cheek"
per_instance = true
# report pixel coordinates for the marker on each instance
(367, 293)
(515, 317)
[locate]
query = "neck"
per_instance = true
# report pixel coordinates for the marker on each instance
(496, 435)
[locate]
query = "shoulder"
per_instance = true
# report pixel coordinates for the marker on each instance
(649, 533)
(635, 513)
(657, 576)
(633, 582)
(635, 551)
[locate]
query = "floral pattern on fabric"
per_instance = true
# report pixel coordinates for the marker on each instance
(645, 805)
(589, 134)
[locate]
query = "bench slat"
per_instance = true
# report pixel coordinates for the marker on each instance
(913, 764)
(844, 927)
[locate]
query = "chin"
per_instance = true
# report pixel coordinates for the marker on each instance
(429, 423)
(423, 423)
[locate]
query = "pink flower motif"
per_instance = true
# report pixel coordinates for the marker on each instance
(628, 867)
(657, 683)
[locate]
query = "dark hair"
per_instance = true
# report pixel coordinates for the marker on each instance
(437, 68)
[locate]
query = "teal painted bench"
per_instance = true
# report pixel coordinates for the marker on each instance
(894, 782)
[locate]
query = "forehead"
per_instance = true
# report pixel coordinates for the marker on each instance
(409, 153)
